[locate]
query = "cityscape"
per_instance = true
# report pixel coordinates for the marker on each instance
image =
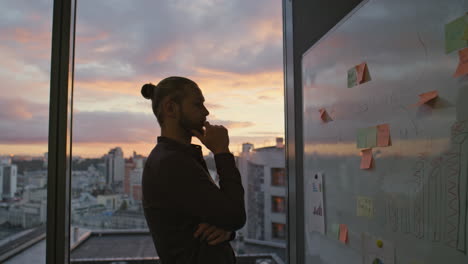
(106, 197)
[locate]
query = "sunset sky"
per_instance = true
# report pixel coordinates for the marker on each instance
(232, 49)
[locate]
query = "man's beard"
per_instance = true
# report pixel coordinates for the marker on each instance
(188, 126)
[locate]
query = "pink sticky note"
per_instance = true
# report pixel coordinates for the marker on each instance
(323, 114)
(361, 70)
(344, 233)
(366, 159)
(462, 68)
(383, 135)
(425, 98)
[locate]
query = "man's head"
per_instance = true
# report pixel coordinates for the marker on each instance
(177, 103)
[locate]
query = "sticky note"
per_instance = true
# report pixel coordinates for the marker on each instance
(383, 135)
(425, 98)
(362, 73)
(367, 137)
(352, 77)
(462, 68)
(344, 233)
(379, 243)
(359, 74)
(335, 231)
(364, 206)
(465, 35)
(323, 114)
(366, 159)
(454, 34)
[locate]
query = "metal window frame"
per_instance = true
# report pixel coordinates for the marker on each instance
(60, 122)
(294, 142)
(60, 135)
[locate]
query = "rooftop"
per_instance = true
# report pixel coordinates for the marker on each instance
(109, 246)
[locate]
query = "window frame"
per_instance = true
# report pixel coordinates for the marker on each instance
(60, 130)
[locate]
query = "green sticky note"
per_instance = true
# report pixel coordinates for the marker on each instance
(367, 137)
(352, 77)
(335, 231)
(455, 34)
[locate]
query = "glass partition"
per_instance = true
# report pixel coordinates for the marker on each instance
(385, 157)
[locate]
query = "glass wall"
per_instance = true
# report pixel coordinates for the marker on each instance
(385, 164)
(25, 49)
(233, 50)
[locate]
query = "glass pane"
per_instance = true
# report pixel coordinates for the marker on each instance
(385, 175)
(233, 50)
(25, 49)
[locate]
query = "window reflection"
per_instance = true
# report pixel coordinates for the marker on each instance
(278, 177)
(279, 230)
(278, 204)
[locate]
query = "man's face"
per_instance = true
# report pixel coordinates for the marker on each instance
(193, 111)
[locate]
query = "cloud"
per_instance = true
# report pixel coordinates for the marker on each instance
(22, 121)
(18, 109)
(153, 40)
(26, 121)
(233, 124)
(232, 49)
(115, 127)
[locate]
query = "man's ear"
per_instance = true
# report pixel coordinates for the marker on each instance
(170, 108)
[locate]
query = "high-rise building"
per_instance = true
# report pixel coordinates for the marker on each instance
(129, 166)
(264, 179)
(115, 166)
(6, 160)
(8, 180)
(133, 174)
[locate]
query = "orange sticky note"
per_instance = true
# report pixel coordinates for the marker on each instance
(383, 135)
(427, 97)
(462, 68)
(344, 233)
(366, 159)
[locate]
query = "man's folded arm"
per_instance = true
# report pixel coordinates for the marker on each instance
(196, 195)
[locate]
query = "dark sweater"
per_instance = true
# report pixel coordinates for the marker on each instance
(178, 195)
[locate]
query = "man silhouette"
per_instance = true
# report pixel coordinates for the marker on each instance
(191, 220)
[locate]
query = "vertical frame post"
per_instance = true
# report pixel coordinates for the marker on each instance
(60, 128)
(294, 141)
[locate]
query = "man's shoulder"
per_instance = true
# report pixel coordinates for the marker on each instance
(167, 157)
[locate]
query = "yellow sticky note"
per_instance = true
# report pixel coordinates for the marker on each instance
(366, 137)
(364, 206)
(465, 34)
(455, 32)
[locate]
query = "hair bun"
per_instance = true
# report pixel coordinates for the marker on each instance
(147, 90)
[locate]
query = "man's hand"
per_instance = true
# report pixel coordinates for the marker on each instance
(215, 138)
(212, 234)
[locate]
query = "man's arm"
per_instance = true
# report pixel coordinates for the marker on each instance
(196, 195)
